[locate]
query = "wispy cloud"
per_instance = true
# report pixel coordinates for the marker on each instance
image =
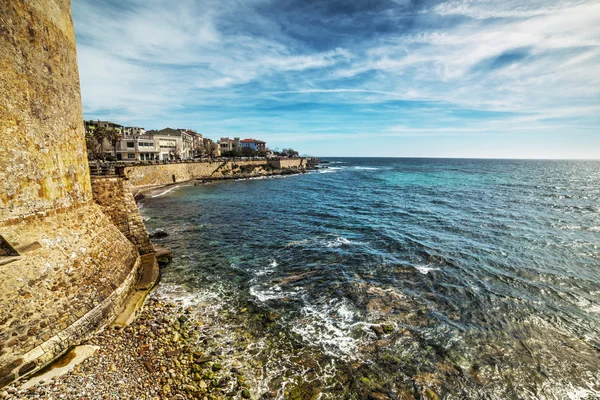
(292, 69)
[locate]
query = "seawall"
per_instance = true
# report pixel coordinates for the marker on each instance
(163, 174)
(65, 268)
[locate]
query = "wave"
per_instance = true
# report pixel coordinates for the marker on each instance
(367, 168)
(263, 295)
(337, 242)
(254, 178)
(330, 243)
(165, 192)
(328, 324)
(426, 269)
(268, 270)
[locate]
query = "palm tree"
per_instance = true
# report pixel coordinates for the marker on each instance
(100, 133)
(114, 136)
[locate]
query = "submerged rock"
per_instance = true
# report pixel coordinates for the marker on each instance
(158, 234)
(295, 278)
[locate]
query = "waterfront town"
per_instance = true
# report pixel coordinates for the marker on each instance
(110, 141)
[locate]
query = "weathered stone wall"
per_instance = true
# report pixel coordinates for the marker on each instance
(293, 163)
(71, 264)
(162, 174)
(75, 267)
(43, 164)
(114, 195)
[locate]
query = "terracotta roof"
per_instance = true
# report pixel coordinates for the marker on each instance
(251, 141)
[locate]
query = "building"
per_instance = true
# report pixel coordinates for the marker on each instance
(226, 144)
(197, 142)
(91, 125)
(256, 145)
(134, 131)
(172, 144)
(139, 148)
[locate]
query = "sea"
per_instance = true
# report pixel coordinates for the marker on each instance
(395, 278)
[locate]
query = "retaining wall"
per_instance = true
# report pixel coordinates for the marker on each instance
(163, 174)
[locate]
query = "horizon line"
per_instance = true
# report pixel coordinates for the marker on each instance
(464, 158)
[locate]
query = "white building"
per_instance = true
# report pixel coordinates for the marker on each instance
(134, 131)
(138, 148)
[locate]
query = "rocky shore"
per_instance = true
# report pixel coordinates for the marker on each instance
(159, 356)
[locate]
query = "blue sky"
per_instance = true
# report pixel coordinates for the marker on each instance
(514, 79)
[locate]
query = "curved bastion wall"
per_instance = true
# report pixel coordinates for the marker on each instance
(65, 268)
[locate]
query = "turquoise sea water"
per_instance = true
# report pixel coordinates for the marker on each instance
(468, 278)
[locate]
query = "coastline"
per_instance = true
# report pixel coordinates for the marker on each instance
(140, 192)
(158, 356)
(158, 326)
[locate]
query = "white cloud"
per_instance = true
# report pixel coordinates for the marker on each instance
(164, 62)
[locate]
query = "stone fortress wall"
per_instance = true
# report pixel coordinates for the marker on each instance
(115, 197)
(67, 263)
(65, 268)
(163, 174)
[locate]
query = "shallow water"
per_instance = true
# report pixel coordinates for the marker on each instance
(485, 275)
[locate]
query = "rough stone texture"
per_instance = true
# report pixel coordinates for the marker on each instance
(76, 267)
(293, 163)
(116, 199)
(163, 174)
(43, 164)
(59, 293)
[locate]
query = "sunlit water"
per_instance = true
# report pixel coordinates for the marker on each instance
(485, 274)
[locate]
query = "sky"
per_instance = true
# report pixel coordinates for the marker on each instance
(388, 78)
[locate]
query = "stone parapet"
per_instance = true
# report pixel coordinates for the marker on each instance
(114, 195)
(74, 268)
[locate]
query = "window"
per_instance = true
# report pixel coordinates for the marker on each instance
(130, 155)
(130, 144)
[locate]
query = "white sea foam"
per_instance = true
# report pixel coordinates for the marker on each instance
(366, 168)
(165, 192)
(297, 242)
(267, 270)
(271, 293)
(331, 243)
(426, 269)
(328, 325)
(337, 242)
(253, 178)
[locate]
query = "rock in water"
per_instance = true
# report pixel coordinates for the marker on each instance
(158, 234)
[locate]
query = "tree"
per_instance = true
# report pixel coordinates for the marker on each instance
(200, 151)
(248, 152)
(175, 152)
(211, 149)
(289, 153)
(95, 143)
(94, 149)
(114, 136)
(236, 152)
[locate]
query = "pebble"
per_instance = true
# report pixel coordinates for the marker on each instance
(131, 363)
